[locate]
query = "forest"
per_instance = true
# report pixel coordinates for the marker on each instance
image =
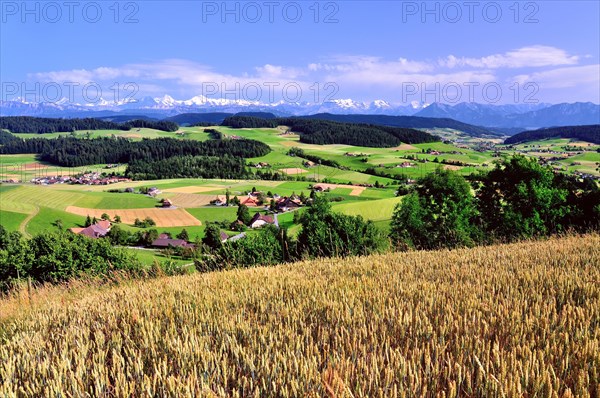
(590, 133)
(75, 152)
(411, 122)
(37, 125)
(223, 167)
(323, 132)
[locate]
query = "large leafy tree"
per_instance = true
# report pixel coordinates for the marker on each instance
(329, 234)
(212, 236)
(520, 198)
(243, 214)
(439, 212)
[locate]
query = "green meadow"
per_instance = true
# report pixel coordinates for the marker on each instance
(32, 209)
(45, 205)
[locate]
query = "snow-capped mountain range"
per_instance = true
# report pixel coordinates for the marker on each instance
(503, 116)
(168, 106)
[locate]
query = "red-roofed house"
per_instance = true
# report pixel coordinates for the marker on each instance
(250, 202)
(287, 204)
(98, 230)
(260, 221)
(105, 224)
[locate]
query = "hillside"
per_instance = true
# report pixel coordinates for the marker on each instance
(589, 133)
(412, 122)
(186, 119)
(511, 320)
(325, 132)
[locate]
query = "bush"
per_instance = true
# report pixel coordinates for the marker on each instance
(266, 247)
(59, 256)
(440, 212)
(521, 199)
(328, 234)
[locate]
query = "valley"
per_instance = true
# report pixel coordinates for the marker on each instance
(368, 179)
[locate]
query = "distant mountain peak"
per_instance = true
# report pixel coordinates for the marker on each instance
(523, 116)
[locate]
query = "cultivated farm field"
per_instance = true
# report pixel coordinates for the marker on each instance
(33, 209)
(163, 217)
(464, 149)
(518, 320)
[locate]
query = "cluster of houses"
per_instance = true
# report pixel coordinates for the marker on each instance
(282, 203)
(84, 179)
(586, 175)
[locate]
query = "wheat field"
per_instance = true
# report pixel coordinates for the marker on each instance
(518, 320)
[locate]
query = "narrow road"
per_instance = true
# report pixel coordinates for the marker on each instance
(23, 225)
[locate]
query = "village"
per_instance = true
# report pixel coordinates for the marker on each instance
(83, 179)
(270, 204)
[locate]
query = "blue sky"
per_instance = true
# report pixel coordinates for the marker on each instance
(402, 51)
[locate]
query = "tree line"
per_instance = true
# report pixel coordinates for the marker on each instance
(518, 199)
(323, 132)
(37, 125)
(222, 167)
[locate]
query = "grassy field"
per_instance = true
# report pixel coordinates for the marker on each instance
(508, 320)
(574, 155)
(381, 159)
(371, 210)
(27, 200)
(45, 219)
(47, 204)
(11, 220)
(149, 257)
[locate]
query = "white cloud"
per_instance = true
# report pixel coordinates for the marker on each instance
(360, 76)
(533, 56)
(178, 71)
(350, 63)
(570, 77)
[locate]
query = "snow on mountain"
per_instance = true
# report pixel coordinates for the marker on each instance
(167, 100)
(510, 115)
